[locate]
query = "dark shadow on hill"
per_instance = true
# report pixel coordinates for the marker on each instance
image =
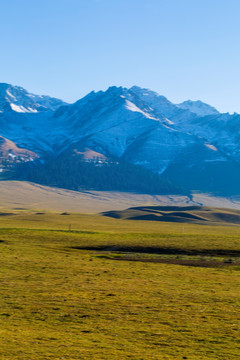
(6, 214)
(112, 175)
(220, 178)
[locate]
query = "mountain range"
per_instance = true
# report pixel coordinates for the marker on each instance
(133, 134)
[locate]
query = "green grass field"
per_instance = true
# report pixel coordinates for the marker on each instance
(60, 300)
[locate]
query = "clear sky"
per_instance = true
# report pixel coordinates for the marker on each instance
(180, 48)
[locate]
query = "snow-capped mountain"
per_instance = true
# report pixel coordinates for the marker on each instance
(134, 125)
(198, 107)
(17, 99)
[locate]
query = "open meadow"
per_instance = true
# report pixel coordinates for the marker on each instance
(78, 286)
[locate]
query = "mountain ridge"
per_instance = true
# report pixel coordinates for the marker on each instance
(17, 99)
(135, 125)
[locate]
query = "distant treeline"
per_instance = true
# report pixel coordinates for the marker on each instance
(73, 173)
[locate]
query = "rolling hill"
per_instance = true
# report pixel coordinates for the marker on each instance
(181, 214)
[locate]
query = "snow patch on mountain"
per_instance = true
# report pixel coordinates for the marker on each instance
(22, 109)
(211, 147)
(132, 107)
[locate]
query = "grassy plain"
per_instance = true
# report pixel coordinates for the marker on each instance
(62, 302)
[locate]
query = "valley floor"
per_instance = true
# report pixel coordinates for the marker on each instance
(26, 195)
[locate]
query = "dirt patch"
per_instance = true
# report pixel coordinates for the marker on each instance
(160, 250)
(194, 263)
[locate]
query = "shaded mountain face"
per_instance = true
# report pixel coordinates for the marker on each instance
(190, 143)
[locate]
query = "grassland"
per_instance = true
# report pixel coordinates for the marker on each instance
(60, 300)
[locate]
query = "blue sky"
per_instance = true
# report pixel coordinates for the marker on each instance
(180, 48)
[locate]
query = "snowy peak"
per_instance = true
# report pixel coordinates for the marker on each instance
(198, 107)
(133, 100)
(147, 94)
(15, 98)
(99, 102)
(160, 104)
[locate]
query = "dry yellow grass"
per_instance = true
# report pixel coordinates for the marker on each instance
(21, 194)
